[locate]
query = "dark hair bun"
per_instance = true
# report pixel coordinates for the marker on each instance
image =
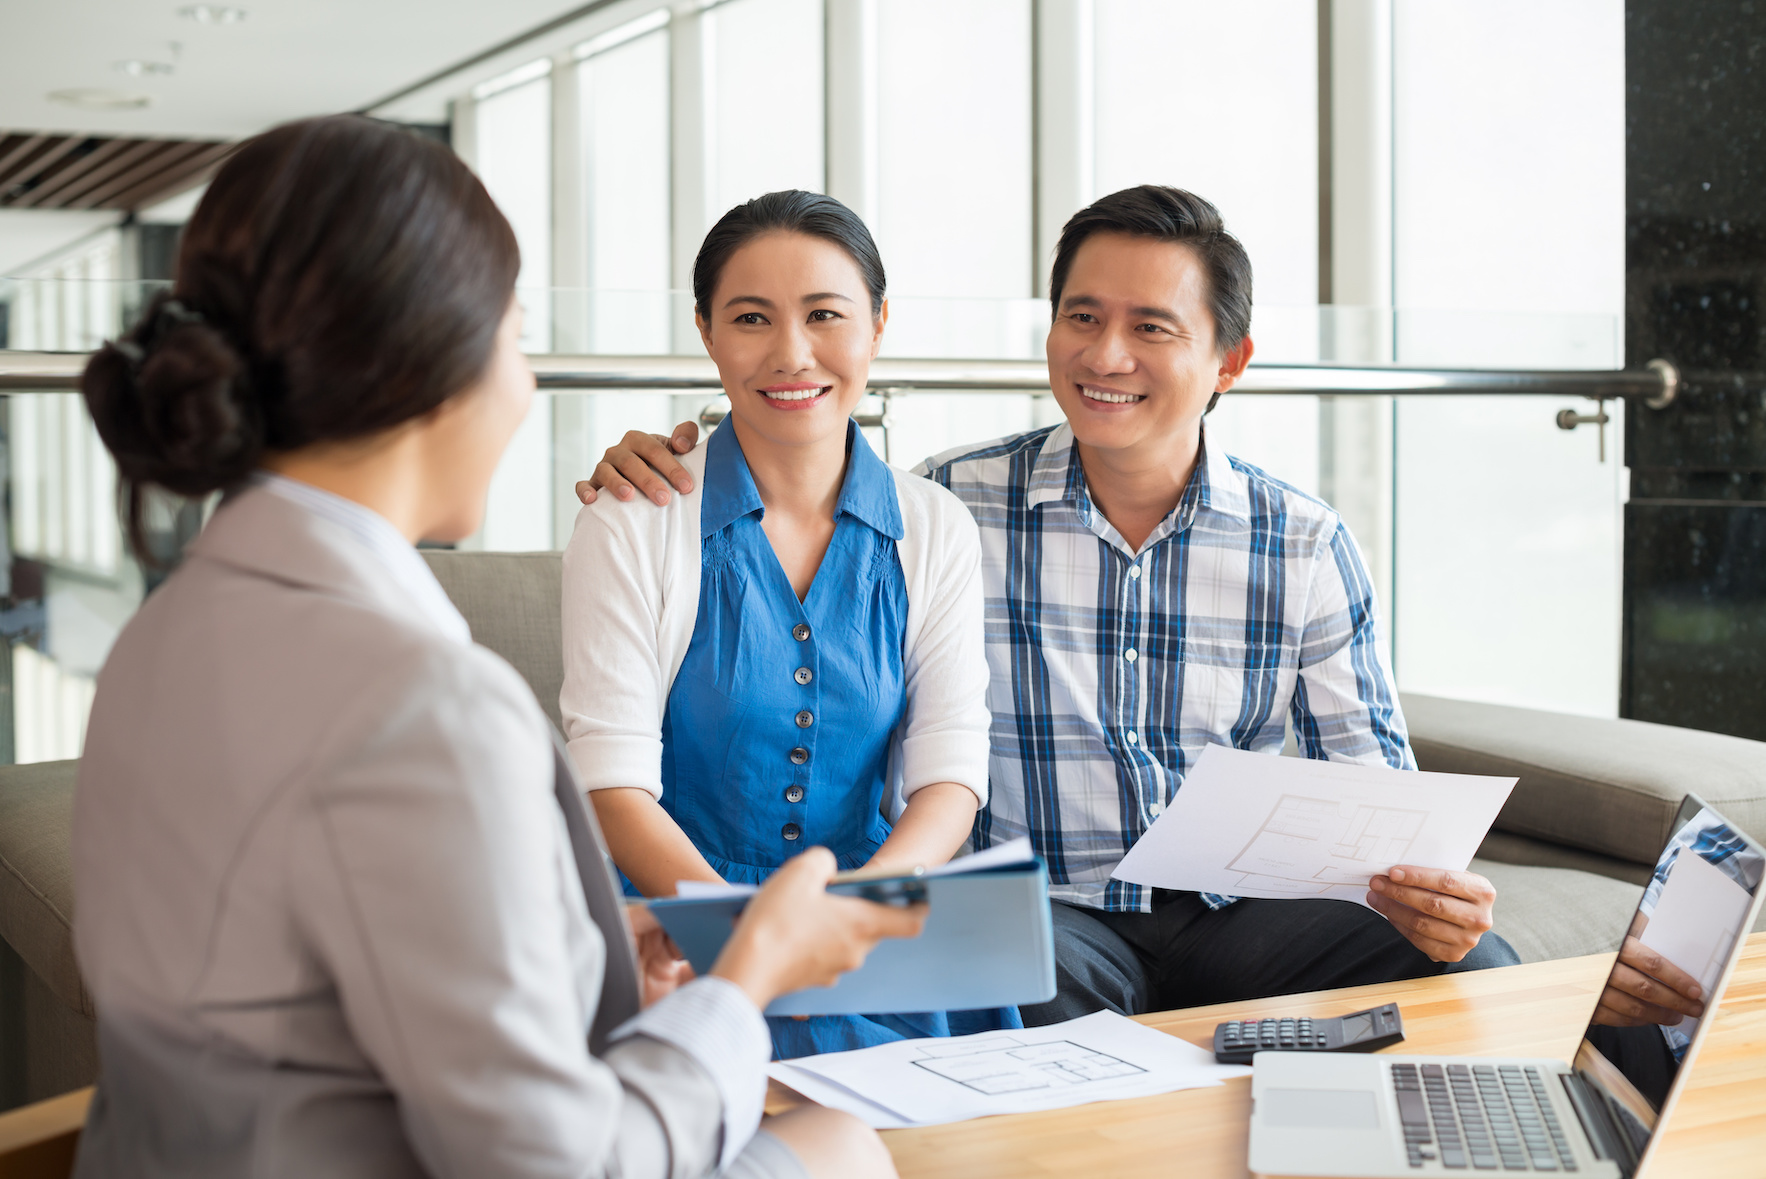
(341, 276)
(170, 404)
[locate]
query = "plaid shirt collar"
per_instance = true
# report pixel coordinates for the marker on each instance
(1058, 476)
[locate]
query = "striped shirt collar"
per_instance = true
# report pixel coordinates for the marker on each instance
(1058, 476)
(387, 544)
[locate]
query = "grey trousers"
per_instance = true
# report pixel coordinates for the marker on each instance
(1184, 954)
(765, 1157)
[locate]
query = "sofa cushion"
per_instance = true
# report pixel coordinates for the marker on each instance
(1610, 786)
(1559, 912)
(36, 874)
(1508, 848)
(512, 603)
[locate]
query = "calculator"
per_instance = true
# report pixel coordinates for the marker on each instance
(1236, 1041)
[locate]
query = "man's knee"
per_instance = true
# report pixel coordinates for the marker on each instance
(1491, 952)
(1095, 970)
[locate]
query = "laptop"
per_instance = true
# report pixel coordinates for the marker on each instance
(1319, 1114)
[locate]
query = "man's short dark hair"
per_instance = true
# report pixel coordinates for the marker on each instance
(1168, 215)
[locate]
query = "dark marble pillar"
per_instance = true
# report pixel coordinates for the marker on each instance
(1695, 527)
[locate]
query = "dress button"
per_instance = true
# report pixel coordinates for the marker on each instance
(1155, 808)
(1133, 737)
(1134, 571)
(794, 794)
(805, 719)
(791, 831)
(799, 756)
(800, 632)
(803, 675)
(1131, 655)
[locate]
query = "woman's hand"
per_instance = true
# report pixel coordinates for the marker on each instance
(795, 934)
(1646, 988)
(661, 968)
(647, 460)
(933, 827)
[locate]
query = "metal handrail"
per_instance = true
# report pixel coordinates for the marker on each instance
(1656, 385)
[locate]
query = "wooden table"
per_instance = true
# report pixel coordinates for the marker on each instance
(1719, 1127)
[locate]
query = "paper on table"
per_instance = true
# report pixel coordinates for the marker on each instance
(1015, 851)
(1099, 1057)
(1252, 825)
(835, 1097)
(1697, 918)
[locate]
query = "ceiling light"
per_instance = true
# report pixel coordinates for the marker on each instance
(212, 14)
(100, 100)
(136, 68)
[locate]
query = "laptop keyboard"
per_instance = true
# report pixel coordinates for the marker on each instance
(1485, 1117)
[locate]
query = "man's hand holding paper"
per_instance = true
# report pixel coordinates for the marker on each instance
(1397, 841)
(1440, 911)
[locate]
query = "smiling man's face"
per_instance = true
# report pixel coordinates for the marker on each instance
(1133, 359)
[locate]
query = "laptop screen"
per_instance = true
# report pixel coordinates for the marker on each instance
(1693, 912)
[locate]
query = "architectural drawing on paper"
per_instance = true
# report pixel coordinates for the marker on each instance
(1004, 1064)
(1310, 845)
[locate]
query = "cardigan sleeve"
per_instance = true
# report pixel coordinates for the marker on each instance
(944, 730)
(615, 680)
(631, 594)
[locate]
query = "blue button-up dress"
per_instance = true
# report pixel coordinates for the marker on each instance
(777, 731)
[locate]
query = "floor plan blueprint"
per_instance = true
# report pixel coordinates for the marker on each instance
(1247, 824)
(1307, 845)
(1097, 1057)
(1006, 1064)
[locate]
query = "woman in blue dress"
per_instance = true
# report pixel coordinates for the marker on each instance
(792, 655)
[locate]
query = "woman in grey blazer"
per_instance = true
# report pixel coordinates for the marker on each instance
(339, 902)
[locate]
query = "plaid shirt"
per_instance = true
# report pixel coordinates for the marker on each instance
(1112, 669)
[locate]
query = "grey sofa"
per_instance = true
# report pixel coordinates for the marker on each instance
(1568, 854)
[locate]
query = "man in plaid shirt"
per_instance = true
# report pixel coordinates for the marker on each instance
(1148, 595)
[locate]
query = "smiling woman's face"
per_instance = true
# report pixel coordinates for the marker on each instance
(792, 335)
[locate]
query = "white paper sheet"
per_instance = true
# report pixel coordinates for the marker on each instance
(1698, 916)
(1251, 825)
(834, 1097)
(1100, 1057)
(1016, 851)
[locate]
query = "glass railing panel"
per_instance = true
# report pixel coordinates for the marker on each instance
(1509, 534)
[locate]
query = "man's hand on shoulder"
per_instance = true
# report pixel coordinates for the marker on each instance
(643, 462)
(1441, 912)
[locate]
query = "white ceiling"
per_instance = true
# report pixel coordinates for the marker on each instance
(287, 59)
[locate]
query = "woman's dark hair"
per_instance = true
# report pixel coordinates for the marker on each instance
(1169, 215)
(794, 211)
(339, 277)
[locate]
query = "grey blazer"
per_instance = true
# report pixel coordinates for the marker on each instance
(330, 906)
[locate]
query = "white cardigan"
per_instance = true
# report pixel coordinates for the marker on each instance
(631, 598)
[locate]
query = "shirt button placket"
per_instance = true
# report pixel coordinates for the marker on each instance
(1128, 699)
(798, 788)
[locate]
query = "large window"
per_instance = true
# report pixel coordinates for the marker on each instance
(513, 141)
(1240, 128)
(1463, 207)
(1509, 151)
(1482, 186)
(765, 81)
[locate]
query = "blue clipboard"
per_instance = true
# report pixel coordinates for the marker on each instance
(987, 942)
